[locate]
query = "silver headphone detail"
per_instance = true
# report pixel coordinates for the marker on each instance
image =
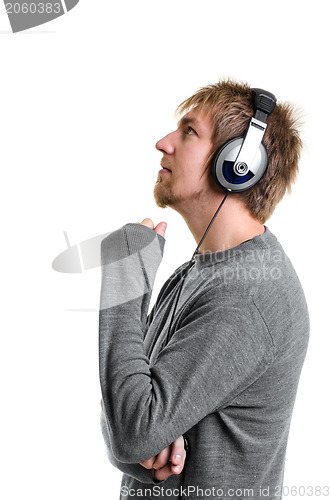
(240, 163)
(241, 168)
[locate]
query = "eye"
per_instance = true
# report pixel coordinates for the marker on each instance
(190, 131)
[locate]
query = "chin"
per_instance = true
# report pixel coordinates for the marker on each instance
(162, 198)
(160, 201)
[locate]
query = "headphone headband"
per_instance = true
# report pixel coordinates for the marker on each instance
(264, 104)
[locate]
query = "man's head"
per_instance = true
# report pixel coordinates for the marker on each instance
(212, 116)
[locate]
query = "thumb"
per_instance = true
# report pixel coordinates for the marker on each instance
(161, 228)
(178, 455)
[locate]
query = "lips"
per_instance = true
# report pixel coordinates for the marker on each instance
(166, 168)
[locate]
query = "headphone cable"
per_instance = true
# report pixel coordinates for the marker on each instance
(190, 264)
(186, 443)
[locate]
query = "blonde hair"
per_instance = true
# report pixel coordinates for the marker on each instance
(230, 104)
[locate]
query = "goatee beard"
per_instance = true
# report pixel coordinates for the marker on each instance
(163, 195)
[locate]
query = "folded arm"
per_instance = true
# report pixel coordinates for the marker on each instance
(214, 354)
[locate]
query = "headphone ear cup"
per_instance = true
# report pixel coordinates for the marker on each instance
(224, 160)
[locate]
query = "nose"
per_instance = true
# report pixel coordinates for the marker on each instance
(166, 144)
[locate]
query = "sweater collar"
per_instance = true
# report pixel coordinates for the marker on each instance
(259, 242)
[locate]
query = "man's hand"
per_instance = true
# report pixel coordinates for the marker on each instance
(160, 228)
(169, 461)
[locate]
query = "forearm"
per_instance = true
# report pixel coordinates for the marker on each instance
(130, 258)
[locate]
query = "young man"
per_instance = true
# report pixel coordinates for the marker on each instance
(227, 376)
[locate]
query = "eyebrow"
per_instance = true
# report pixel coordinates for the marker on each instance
(188, 121)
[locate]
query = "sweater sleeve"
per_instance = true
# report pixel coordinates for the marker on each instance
(219, 348)
(131, 240)
(136, 471)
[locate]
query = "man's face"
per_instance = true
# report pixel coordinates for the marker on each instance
(185, 152)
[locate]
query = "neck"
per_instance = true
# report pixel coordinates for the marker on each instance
(233, 224)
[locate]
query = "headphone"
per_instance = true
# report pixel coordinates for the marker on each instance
(240, 163)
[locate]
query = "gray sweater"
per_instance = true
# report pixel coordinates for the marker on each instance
(227, 379)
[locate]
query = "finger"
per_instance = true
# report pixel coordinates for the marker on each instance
(148, 464)
(178, 455)
(164, 472)
(148, 222)
(162, 458)
(177, 469)
(161, 228)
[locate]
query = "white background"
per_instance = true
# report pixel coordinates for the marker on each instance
(83, 101)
